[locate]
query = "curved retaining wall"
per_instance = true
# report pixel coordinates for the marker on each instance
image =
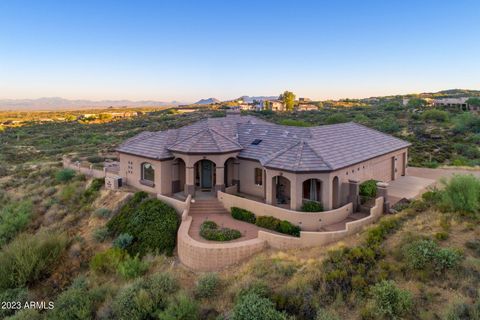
(202, 256)
(308, 221)
(311, 239)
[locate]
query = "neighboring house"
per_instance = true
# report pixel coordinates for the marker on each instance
(276, 105)
(306, 107)
(275, 164)
(460, 103)
(429, 102)
(246, 106)
(304, 99)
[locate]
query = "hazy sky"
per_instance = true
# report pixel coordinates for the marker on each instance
(181, 50)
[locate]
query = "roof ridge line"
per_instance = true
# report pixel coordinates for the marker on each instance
(281, 151)
(299, 155)
(188, 137)
(233, 141)
(318, 155)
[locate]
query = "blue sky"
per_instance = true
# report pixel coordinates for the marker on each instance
(187, 50)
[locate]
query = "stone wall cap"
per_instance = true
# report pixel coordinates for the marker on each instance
(382, 184)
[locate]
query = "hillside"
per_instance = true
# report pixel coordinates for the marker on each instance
(421, 263)
(207, 101)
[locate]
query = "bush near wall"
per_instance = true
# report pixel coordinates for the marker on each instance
(312, 206)
(267, 222)
(368, 188)
(152, 223)
(242, 214)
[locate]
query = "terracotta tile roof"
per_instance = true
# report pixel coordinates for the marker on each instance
(322, 148)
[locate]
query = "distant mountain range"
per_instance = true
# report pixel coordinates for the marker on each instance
(56, 103)
(207, 101)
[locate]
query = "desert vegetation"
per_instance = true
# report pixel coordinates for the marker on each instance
(65, 239)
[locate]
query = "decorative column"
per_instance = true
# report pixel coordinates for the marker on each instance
(382, 191)
(354, 194)
(189, 181)
(327, 194)
(236, 174)
(220, 179)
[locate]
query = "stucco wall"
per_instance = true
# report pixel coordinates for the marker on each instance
(130, 171)
(213, 256)
(95, 173)
(178, 205)
(308, 221)
(311, 239)
(247, 178)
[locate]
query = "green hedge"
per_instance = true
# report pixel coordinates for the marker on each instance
(267, 222)
(152, 224)
(209, 230)
(368, 188)
(312, 206)
(242, 214)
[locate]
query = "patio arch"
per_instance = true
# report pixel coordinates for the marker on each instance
(312, 190)
(204, 174)
(229, 175)
(281, 191)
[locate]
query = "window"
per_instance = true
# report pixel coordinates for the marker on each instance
(148, 172)
(258, 176)
(256, 142)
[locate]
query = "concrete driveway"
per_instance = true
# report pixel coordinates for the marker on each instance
(418, 180)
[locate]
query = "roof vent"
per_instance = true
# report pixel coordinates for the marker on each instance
(256, 142)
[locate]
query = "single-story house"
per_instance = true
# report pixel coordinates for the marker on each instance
(306, 107)
(276, 164)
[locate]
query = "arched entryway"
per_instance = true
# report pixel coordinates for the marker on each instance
(281, 191)
(335, 193)
(178, 175)
(312, 190)
(229, 176)
(205, 176)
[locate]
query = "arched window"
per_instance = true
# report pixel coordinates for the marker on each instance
(312, 190)
(148, 172)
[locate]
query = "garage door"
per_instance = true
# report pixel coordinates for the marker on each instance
(382, 171)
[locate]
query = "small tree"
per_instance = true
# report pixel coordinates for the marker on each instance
(289, 99)
(390, 301)
(475, 101)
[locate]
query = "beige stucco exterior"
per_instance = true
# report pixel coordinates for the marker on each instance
(180, 174)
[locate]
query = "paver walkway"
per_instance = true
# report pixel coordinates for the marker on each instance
(212, 209)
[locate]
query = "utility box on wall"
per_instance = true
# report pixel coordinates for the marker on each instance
(113, 182)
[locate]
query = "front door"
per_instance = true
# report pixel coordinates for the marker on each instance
(207, 170)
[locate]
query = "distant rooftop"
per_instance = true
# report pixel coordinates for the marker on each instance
(299, 149)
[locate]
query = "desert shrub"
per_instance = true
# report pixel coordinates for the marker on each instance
(442, 235)
(323, 314)
(387, 124)
(26, 314)
(74, 303)
(346, 270)
(435, 115)
(463, 311)
(389, 301)
(152, 223)
(209, 230)
(312, 206)
(28, 258)
(426, 255)
(376, 234)
(207, 286)
(144, 297)
(107, 260)
(258, 287)
(368, 188)
(100, 234)
(294, 123)
(336, 118)
(282, 226)
(462, 194)
(123, 241)
(181, 307)
(466, 122)
(95, 159)
(474, 245)
(93, 189)
(242, 214)
(130, 267)
(64, 175)
(14, 217)
(254, 307)
(10, 295)
(102, 213)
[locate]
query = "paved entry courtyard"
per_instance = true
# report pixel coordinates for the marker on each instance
(418, 180)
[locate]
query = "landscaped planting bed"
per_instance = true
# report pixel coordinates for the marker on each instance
(209, 230)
